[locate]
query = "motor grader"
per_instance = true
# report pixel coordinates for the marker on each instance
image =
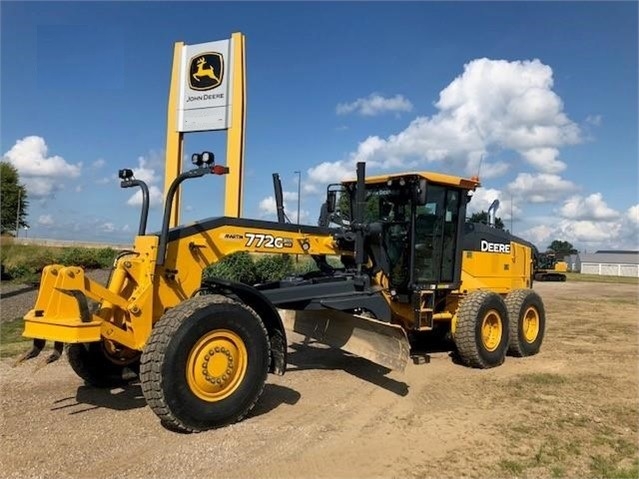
(409, 264)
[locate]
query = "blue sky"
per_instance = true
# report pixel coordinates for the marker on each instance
(545, 93)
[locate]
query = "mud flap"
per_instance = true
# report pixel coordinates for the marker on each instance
(382, 343)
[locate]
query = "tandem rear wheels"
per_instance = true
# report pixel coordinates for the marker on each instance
(481, 332)
(489, 327)
(205, 364)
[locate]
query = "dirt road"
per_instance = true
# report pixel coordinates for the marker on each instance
(570, 411)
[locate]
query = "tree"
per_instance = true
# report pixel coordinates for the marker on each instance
(482, 217)
(561, 249)
(13, 198)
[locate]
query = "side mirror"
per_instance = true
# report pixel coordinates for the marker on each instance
(420, 192)
(331, 200)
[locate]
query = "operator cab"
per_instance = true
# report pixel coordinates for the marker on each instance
(414, 222)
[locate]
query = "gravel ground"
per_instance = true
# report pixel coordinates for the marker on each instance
(17, 299)
(333, 415)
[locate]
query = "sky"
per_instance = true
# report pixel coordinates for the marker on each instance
(539, 98)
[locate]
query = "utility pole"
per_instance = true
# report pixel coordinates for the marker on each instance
(511, 213)
(299, 189)
(18, 211)
(299, 184)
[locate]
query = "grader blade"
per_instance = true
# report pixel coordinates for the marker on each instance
(382, 343)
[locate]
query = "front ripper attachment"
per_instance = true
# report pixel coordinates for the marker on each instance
(382, 343)
(36, 349)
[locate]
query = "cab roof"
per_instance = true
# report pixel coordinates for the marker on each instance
(431, 177)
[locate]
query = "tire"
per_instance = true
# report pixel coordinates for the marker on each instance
(527, 322)
(91, 363)
(205, 364)
(481, 332)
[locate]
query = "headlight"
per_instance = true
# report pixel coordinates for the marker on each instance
(196, 159)
(208, 157)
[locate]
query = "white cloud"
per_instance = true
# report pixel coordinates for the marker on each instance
(78, 189)
(540, 187)
(155, 197)
(99, 163)
(107, 227)
(594, 120)
(105, 180)
(150, 170)
(615, 232)
(484, 197)
(493, 106)
(45, 220)
(42, 175)
(539, 235)
(544, 159)
(375, 104)
(633, 214)
(268, 208)
(592, 207)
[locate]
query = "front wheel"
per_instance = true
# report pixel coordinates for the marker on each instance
(481, 330)
(205, 364)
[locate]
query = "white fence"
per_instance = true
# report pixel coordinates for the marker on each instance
(611, 269)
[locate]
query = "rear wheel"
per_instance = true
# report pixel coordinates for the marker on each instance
(205, 364)
(481, 332)
(527, 322)
(102, 364)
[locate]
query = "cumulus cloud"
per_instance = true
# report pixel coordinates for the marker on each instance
(150, 170)
(268, 207)
(540, 187)
(600, 230)
(42, 175)
(492, 106)
(45, 220)
(99, 163)
(592, 207)
(484, 197)
(375, 104)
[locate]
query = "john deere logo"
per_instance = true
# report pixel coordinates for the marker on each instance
(206, 71)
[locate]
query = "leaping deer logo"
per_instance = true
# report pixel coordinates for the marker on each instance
(204, 72)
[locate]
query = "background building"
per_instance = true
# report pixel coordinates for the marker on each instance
(610, 263)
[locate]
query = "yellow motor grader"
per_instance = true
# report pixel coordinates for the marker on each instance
(409, 264)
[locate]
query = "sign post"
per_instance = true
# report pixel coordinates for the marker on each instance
(208, 94)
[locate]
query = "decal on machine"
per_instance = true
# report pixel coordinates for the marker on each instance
(494, 247)
(259, 240)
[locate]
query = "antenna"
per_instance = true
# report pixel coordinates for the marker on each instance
(481, 158)
(511, 213)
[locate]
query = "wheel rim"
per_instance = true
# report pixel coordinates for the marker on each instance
(530, 325)
(491, 330)
(216, 365)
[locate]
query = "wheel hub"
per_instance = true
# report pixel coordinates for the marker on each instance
(530, 325)
(491, 330)
(216, 365)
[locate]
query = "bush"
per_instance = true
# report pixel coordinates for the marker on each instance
(26, 262)
(236, 267)
(273, 267)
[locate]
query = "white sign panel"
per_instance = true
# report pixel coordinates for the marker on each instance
(205, 87)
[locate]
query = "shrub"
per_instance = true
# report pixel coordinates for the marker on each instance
(236, 267)
(273, 267)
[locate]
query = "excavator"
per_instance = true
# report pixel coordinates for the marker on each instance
(547, 268)
(408, 264)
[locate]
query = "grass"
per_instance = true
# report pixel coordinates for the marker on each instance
(595, 278)
(11, 340)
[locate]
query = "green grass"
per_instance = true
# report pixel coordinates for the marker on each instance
(11, 340)
(595, 278)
